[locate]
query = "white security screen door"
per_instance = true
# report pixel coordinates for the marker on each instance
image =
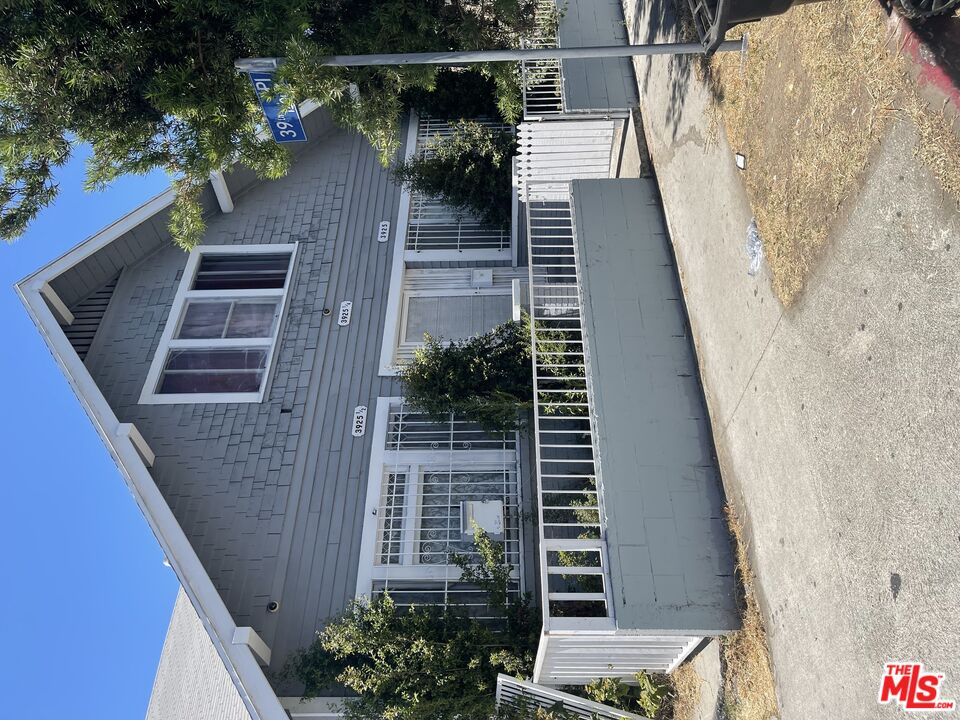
(427, 473)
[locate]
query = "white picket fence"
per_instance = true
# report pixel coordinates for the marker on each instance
(555, 152)
(523, 695)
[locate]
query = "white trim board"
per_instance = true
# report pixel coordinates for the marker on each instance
(391, 321)
(368, 535)
(477, 256)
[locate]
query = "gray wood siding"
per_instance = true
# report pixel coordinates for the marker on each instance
(270, 494)
(89, 275)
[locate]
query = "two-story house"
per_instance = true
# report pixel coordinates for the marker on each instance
(247, 390)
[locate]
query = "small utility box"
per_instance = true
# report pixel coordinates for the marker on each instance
(485, 514)
(482, 277)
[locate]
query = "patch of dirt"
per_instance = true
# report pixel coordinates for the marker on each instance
(686, 687)
(749, 690)
(807, 108)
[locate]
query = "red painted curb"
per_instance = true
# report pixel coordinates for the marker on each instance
(927, 49)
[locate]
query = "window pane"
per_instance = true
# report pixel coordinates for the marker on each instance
(213, 371)
(252, 320)
(391, 518)
(242, 271)
(204, 320)
(455, 317)
(225, 359)
(213, 382)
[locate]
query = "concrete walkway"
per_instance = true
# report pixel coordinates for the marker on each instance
(837, 422)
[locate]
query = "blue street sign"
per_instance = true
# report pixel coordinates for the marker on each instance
(286, 127)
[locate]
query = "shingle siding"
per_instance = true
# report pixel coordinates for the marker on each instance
(270, 493)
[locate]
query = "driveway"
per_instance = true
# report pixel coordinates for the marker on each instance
(837, 422)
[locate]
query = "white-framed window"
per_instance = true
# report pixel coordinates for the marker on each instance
(427, 485)
(449, 304)
(220, 338)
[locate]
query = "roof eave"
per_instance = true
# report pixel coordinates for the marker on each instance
(241, 663)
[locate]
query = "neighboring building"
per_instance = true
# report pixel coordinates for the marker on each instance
(191, 680)
(248, 392)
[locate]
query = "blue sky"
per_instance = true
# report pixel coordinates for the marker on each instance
(85, 597)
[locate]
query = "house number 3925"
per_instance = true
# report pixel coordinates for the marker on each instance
(359, 420)
(346, 308)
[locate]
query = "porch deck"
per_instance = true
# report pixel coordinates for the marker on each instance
(636, 565)
(670, 556)
(598, 85)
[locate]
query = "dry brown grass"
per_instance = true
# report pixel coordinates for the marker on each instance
(807, 109)
(686, 687)
(749, 689)
(939, 145)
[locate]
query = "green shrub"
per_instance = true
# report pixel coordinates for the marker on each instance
(487, 378)
(469, 171)
(425, 663)
(649, 697)
(402, 664)
(458, 94)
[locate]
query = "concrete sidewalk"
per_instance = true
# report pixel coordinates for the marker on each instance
(838, 422)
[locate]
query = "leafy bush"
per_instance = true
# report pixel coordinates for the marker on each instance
(424, 663)
(402, 662)
(153, 86)
(648, 697)
(487, 377)
(521, 629)
(491, 90)
(457, 94)
(469, 171)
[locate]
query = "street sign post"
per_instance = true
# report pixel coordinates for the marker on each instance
(286, 126)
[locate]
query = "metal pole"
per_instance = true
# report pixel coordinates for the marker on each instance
(481, 56)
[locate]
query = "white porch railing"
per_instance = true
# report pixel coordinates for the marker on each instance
(580, 639)
(577, 657)
(542, 80)
(575, 577)
(519, 694)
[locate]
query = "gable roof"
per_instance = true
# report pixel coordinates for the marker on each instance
(81, 271)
